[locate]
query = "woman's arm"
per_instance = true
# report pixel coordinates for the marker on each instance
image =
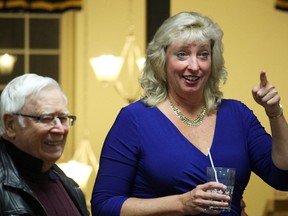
(267, 96)
(191, 203)
(279, 130)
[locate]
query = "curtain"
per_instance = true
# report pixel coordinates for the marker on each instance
(282, 5)
(50, 6)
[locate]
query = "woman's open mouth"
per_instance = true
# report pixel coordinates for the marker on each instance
(191, 77)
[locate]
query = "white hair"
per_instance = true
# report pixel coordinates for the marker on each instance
(183, 27)
(16, 92)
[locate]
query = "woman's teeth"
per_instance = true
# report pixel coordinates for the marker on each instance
(191, 78)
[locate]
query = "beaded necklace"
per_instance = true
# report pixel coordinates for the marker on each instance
(190, 123)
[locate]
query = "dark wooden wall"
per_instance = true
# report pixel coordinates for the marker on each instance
(156, 12)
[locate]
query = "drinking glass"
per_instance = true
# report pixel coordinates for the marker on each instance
(225, 176)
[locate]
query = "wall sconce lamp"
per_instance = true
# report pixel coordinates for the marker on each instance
(7, 62)
(110, 68)
(107, 67)
(82, 164)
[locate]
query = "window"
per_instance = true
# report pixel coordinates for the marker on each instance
(35, 40)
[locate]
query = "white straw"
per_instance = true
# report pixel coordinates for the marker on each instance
(211, 161)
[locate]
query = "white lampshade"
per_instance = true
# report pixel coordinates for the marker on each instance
(140, 63)
(78, 171)
(106, 67)
(82, 164)
(7, 63)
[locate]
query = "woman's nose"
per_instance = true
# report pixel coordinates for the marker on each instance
(193, 64)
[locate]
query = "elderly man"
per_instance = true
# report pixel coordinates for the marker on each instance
(34, 126)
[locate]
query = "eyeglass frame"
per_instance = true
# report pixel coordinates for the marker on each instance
(39, 118)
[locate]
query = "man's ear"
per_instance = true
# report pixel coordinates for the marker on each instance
(9, 124)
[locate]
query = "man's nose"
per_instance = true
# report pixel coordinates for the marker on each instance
(57, 125)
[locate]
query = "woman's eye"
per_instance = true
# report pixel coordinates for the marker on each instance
(204, 55)
(181, 54)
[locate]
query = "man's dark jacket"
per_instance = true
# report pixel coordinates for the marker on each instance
(16, 198)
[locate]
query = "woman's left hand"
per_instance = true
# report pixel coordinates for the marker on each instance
(267, 96)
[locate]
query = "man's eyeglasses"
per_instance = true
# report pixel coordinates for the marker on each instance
(50, 119)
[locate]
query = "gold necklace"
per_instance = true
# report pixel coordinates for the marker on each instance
(190, 123)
